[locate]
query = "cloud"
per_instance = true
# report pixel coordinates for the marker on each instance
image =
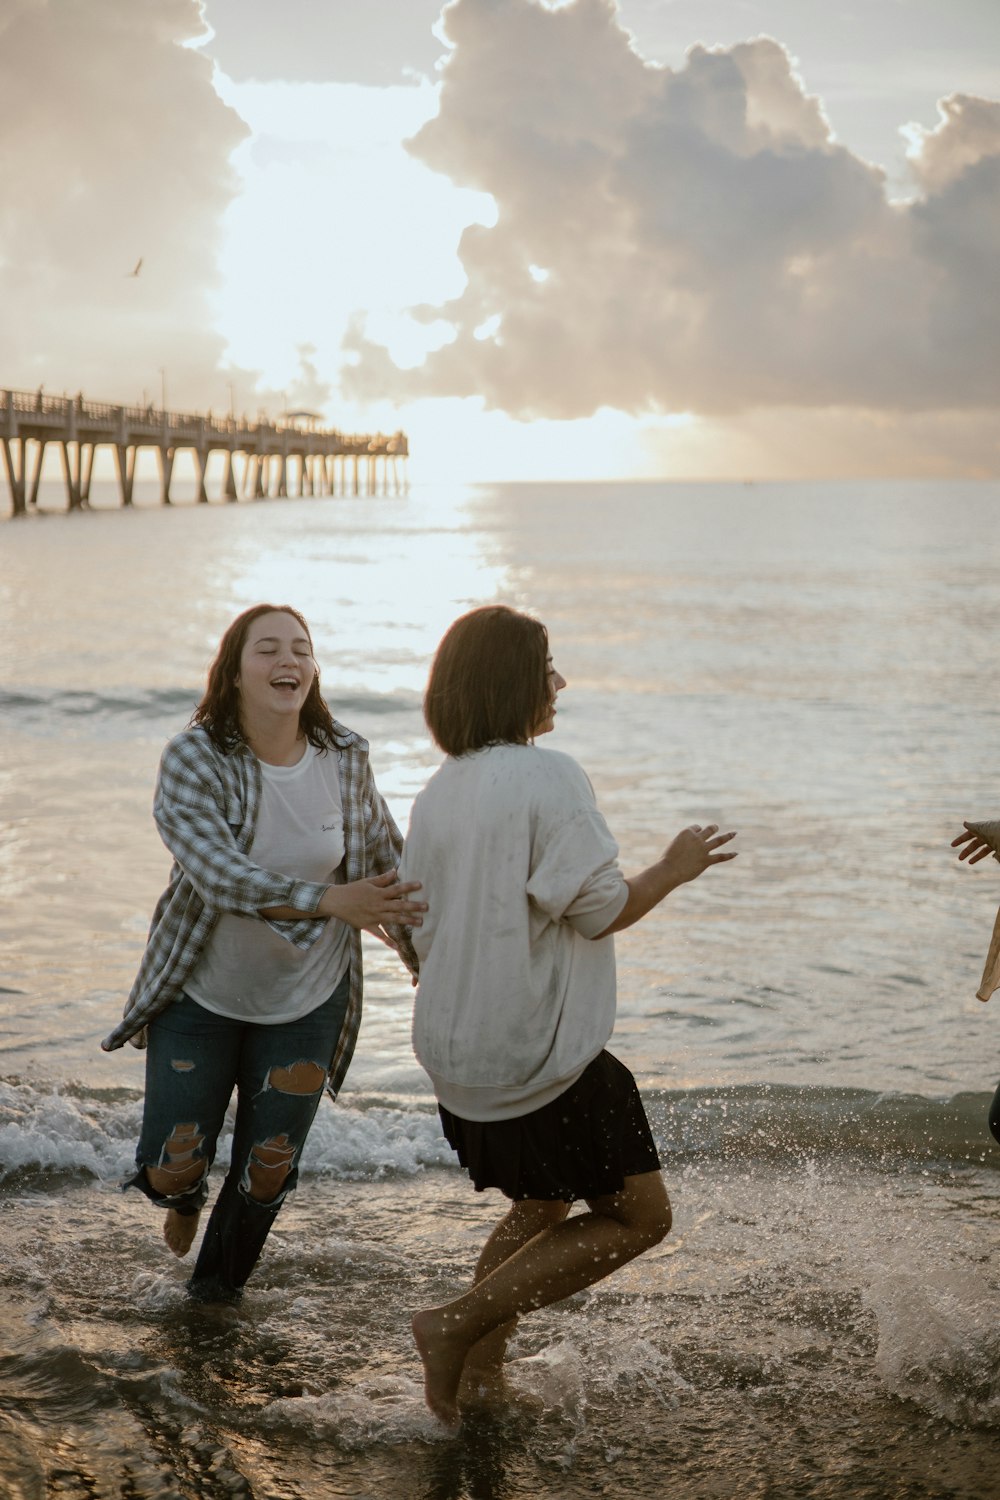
(375, 42)
(115, 147)
(694, 239)
(968, 133)
(826, 443)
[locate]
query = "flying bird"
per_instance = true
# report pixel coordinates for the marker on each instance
(138, 268)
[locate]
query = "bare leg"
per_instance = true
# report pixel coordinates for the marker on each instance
(183, 1170)
(556, 1262)
(482, 1374)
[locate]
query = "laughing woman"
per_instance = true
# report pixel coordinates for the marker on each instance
(251, 979)
(517, 994)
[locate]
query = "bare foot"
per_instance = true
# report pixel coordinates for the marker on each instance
(179, 1231)
(443, 1353)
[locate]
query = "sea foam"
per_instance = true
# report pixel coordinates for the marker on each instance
(46, 1130)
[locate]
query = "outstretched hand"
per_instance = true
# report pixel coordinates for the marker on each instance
(978, 841)
(375, 902)
(689, 855)
(695, 849)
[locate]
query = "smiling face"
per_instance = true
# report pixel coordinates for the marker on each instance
(276, 670)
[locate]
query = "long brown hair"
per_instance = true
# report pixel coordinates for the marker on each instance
(489, 681)
(218, 713)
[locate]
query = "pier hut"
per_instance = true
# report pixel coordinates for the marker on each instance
(270, 453)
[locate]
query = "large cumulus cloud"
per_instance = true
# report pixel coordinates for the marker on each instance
(116, 147)
(695, 238)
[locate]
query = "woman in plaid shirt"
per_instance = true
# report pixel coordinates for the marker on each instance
(283, 852)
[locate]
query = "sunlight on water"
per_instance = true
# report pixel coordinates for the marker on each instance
(378, 604)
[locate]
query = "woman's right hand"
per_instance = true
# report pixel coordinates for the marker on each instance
(375, 902)
(694, 849)
(980, 840)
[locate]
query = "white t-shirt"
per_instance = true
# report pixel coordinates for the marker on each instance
(519, 871)
(248, 972)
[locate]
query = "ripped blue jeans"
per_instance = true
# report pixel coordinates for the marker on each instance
(194, 1060)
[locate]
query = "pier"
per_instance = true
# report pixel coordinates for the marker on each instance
(290, 455)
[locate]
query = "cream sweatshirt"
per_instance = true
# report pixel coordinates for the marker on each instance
(519, 872)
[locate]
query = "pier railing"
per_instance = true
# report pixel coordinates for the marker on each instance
(275, 453)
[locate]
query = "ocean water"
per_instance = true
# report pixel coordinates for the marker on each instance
(809, 664)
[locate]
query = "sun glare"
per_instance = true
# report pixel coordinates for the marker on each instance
(336, 221)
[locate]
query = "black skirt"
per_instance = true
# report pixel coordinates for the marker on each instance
(581, 1145)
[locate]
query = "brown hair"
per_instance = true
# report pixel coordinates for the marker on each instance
(218, 713)
(489, 681)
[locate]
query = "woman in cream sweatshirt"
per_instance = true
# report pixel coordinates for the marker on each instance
(517, 993)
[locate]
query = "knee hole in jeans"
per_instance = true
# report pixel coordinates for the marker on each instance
(180, 1166)
(268, 1168)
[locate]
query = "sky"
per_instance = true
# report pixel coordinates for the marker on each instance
(550, 239)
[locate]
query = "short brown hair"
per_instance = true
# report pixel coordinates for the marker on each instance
(489, 681)
(218, 713)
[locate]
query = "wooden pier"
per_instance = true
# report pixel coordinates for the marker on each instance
(273, 453)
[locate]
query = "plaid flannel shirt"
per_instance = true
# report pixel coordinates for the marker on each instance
(206, 808)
